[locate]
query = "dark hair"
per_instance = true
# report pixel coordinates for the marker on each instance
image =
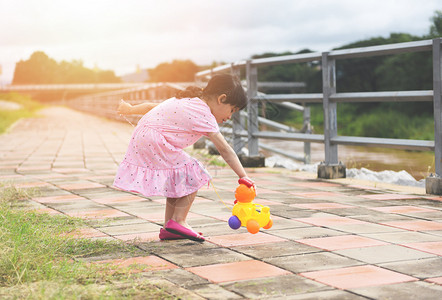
(218, 85)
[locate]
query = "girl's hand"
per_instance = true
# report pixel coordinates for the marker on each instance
(124, 108)
(248, 182)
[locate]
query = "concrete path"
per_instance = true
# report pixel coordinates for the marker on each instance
(340, 239)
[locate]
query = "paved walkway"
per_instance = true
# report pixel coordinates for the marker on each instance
(335, 239)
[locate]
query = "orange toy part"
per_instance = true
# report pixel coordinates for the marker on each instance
(269, 224)
(252, 226)
(245, 194)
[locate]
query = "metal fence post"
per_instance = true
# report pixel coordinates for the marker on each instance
(308, 130)
(252, 108)
(237, 125)
(331, 168)
(437, 95)
(433, 184)
(330, 116)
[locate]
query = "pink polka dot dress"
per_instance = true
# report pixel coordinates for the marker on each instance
(155, 163)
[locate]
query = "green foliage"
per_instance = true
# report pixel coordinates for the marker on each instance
(300, 72)
(401, 72)
(436, 27)
(41, 69)
(177, 71)
(8, 117)
(385, 123)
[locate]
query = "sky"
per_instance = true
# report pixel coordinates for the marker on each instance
(121, 35)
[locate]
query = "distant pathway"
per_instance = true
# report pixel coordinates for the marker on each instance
(339, 239)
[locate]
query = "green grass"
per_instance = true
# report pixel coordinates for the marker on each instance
(8, 117)
(38, 260)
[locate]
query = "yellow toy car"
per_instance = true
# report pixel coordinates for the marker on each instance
(246, 213)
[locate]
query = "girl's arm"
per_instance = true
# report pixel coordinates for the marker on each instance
(227, 153)
(125, 108)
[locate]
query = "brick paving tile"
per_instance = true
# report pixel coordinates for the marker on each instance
(364, 228)
(269, 250)
(313, 261)
(416, 225)
(140, 263)
(403, 209)
(430, 247)
(419, 268)
(86, 233)
(11, 176)
(142, 237)
(130, 228)
(70, 170)
(235, 271)
(318, 194)
(119, 199)
(214, 292)
(359, 276)
(206, 256)
(389, 197)
(320, 206)
(80, 186)
(341, 242)
(437, 280)
(97, 214)
(306, 233)
(437, 198)
(266, 192)
(48, 210)
(37, 184)
(327, 221)
(383, 254)
(279, 287)
(197, 200)
(241, 239)
(56, 199)
(266, 202)
(403, 237)
(406, 290)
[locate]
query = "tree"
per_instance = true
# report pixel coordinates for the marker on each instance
(41, 69)
(177, 71)
(436, 27)
(38, 69)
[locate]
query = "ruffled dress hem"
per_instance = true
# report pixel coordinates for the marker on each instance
(171, 183)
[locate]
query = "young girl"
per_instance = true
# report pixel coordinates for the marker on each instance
(155, 163)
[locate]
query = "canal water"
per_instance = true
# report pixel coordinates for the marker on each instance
(416, 163)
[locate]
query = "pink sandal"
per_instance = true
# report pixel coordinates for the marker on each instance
(166, 235)
(177, 229)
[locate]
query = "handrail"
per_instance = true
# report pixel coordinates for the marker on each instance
(396, 48)
(330, 98)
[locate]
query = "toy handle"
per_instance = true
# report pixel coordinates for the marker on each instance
(246, 181)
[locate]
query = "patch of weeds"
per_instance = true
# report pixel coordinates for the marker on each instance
(215, 161)
(8, 117)
(39, 260)
(9, 193)
(43, 290)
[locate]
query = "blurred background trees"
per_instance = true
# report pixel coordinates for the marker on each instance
(408, 71)
(41, 69)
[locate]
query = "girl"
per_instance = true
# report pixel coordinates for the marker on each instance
(155, 163)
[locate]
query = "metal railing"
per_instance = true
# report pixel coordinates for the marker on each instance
(69, 87)
(105, 104)
(330, 98)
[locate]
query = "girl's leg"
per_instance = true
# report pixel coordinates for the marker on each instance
(170, 209)
(178, 208)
